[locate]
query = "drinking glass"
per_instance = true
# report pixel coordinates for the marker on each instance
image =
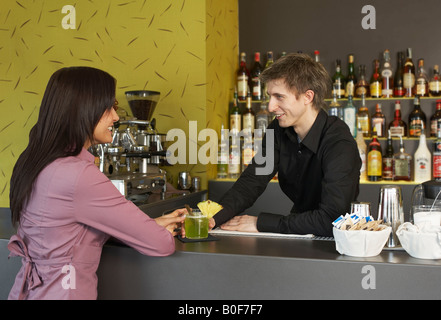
(361, 209)
(390, 209)
(196, 225)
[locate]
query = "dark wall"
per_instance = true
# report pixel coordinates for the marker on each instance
(334, 28)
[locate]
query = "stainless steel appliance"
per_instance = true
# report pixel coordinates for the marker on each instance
(132, 161)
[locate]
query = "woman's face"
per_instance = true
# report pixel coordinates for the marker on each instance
(103, 130)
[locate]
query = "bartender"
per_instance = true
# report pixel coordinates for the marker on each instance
(314, 154)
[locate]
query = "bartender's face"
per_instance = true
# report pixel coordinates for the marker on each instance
(103, 130)
(289, 110)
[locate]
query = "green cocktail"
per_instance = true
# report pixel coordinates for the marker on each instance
(196, 226)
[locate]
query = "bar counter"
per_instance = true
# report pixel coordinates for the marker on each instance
(251, 268)
(240, 267)
(244, 267)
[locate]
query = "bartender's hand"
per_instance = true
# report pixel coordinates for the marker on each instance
(172, 220)
(241, 223)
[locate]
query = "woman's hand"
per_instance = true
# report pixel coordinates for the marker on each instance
(172, 220)
(211, 223)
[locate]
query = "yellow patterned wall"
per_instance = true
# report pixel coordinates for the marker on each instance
(186, 49)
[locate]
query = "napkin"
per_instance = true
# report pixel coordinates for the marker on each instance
(422, 241)
(360, 243)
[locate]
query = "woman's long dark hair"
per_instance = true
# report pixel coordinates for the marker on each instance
(72, 105)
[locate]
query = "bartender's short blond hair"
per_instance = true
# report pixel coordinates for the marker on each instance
(300, 73)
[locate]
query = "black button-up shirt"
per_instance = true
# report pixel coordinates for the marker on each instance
(319, 174)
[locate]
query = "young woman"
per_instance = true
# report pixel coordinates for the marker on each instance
(64, 208)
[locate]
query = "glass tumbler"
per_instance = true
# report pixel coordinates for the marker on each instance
(390, 210)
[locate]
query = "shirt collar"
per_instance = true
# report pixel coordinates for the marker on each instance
(312, 139)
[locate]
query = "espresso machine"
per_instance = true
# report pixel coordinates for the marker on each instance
(137, 150)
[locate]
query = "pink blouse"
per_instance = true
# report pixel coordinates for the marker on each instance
(73, 210)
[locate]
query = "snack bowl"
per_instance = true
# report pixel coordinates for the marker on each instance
(360, 243)
(421, 241)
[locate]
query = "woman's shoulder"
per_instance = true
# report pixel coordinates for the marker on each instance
(75, 163)
(69, 169)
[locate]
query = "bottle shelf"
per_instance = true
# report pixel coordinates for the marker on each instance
(398, 139)
(385, 99)
(252, 101)
(234, 180)
(382, 182)
(359, 99)
(397, 182)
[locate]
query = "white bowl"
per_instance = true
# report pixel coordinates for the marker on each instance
(360, 243)
(422, 241)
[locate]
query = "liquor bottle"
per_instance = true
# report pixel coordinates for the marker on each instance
(235, 116)
(435, 120)
(338, 81)
(256, 85)
(242, 78)
(234, 159)
(409, 75)
(388, 159)
(379, 121)
(362, 86)
(248, 116)
(435, 83)
(386, 76)
(402, 164)
(222, 156)
(263, 117)
(376, 84)
(335, 108)
(247, 150)
(317, 56)
(417, 119)
(269, 63)
(349, 116)
(398, 78)
(397, 127)
(436, 157)
(363, 118)
(374, 159)
(362, 148)
(269, 59)
(422, 82)
(351, 79)
(423, 161)
(258, 136)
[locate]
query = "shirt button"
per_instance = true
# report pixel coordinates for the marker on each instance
(299, 152)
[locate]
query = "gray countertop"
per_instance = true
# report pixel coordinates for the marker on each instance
(296, 249)
(241, 267)
(245, 267)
